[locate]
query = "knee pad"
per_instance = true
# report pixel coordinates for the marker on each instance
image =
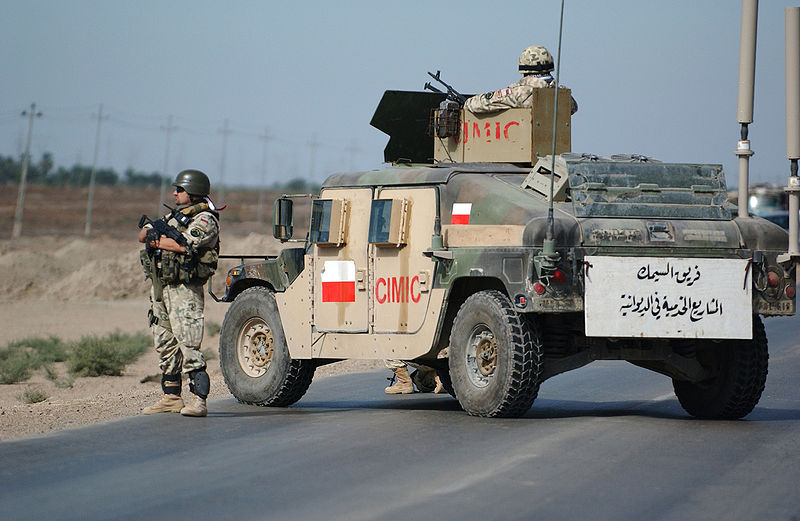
(171, 383)
(199, 383)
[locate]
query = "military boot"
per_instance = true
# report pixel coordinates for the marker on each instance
(171, 401)
(402, 384)
(200, 385)
(439, 386)
(167, 403)
(197, 407)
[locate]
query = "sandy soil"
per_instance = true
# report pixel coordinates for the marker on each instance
(71, 287)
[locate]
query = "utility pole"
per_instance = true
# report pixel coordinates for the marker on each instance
(225, 131)
(351, 153)
(313, 145)
(90, 203)
(17, 230)
(266, 138)
(164, 177)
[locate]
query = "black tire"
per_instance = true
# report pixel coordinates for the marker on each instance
(447, 383)
(253, 354)
(741, 373)
(495, 357)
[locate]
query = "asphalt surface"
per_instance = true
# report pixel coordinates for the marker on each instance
(608, 441)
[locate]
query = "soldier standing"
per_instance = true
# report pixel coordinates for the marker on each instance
(536, 65)
(179, 272)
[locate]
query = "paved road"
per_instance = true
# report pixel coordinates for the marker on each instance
(608, 441)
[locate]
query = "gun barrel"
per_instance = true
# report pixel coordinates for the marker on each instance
(428, 86)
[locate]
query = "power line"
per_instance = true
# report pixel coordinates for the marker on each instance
(169, 128)
(17, 229)
(90, 203)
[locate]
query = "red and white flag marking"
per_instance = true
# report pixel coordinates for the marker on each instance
(338, 281)
(461, 213)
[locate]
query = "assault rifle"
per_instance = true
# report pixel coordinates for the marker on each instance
(452, 94)
(158, 228)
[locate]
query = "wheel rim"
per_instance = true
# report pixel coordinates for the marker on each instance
(256, 347)
(481, 359)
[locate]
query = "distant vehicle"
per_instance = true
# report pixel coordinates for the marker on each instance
(766, 199)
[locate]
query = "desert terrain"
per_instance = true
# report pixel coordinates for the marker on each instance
(56, 281)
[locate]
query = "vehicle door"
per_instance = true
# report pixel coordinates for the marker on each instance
(339, 226)
(401, 225)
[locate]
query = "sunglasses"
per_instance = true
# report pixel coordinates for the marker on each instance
(179, 190)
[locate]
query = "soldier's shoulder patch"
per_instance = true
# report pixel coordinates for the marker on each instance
(204, 219)
(195, 232)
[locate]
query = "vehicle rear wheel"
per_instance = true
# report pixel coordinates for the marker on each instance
(253, 354)
(495, 357)
(740, 368)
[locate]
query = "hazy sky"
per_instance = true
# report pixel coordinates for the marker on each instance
(651, 77)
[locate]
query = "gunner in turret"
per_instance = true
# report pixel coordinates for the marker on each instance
(536, 65)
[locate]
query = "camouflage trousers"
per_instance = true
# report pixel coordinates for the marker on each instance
(178, 331)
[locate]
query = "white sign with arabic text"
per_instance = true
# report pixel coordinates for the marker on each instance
(668, 297)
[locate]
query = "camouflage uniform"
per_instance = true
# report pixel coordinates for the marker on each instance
(516, 95)
(535, 64)
(178, 330)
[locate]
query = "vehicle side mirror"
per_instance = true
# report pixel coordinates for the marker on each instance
(282, 227)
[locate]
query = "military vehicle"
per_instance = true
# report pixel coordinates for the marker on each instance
(482, 254)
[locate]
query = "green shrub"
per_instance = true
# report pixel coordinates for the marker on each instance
(33, 395)
(93, 356)
(50, 349)
(62, 383)
(16, 365)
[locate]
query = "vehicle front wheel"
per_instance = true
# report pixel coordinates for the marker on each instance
(254, 356)
(740, 374)
(495, 357)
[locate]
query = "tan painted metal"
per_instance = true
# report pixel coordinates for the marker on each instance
(345, 316)
(402, 346)
(294, 307)
(518, 135)
(401, 277)
(396, 311)
(481, 235)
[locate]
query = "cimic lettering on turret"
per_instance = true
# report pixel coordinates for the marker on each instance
(486, 132)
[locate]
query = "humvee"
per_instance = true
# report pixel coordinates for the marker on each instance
(482, 254)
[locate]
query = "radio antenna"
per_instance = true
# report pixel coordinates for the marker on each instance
(548, 258)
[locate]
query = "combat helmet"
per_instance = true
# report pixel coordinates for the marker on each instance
(535, 59)
(194, 182)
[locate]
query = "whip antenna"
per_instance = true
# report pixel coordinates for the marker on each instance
(546, 261)
(549, 234)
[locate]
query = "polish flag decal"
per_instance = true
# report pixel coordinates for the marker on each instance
(338, 281)
(461, 213)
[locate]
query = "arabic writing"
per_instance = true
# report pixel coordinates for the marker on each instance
(688, 276)
(663, 306)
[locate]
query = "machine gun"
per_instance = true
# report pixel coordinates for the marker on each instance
(158, 228)
(452, 94)
(445, 122)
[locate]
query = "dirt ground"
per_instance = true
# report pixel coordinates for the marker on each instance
(54, 281)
